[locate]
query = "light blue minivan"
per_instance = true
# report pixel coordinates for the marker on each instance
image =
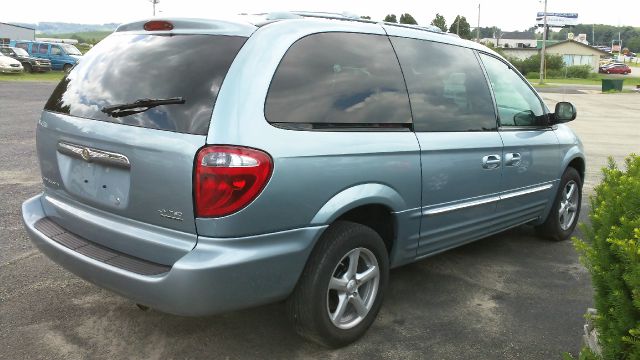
(202, 166)
(62, 56)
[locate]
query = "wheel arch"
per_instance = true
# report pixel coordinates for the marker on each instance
(578, 163)
(373, 205)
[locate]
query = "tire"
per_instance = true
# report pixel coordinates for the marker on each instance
(312, 304)
(66, 68)
(564, 214)
(27, 68)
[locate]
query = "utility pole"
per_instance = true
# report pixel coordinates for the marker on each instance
(154, 2)
(620, 52)
(458, 25)
(544, 43)
(478, 28)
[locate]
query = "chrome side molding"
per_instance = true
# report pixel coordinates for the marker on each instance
(467, 204)
(463, 205)
(89, 154)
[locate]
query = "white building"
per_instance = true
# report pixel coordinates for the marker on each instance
(516, 39)
(15, 32)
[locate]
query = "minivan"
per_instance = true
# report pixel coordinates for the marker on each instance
(62, 56)
(202, 166)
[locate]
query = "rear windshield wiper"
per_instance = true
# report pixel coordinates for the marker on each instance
(139, 106)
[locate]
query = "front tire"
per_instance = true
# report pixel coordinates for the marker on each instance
(66, 68)
(341, 288)
(563, 217)
(27, 68)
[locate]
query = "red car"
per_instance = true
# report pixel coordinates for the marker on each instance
(617, 69)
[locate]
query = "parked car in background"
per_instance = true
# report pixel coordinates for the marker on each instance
(29, 63)
(61, 56)
(10, 65)
(615, 68)
(203, 166)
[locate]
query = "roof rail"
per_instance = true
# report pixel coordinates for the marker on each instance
(345, 16)
(267, 18)
(429, 28)
(285, 15)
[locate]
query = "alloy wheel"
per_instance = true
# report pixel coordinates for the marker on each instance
(353, 288)
(568, 205)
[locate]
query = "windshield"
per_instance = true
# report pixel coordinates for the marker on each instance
(20, 52)
(125, 68)
(70, 49)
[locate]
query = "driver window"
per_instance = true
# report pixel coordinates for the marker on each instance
(55, 50)
(517, 104)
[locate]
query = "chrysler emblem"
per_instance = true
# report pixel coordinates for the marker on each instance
(85, 154)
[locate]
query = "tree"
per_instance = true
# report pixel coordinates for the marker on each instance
(439, 22)
(465, 28)
(391, 18)
(406, 18)
(490, 32)
(633, 44)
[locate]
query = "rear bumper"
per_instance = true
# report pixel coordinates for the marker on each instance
(218, 275)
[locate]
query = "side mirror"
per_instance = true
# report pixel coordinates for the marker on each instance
(565, 112)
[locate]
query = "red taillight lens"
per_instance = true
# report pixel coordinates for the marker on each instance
(227, 178)
(158, 25)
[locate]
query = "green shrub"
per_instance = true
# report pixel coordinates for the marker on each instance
(578, 71)
(611, 252)
(532, 63)
(533, 75)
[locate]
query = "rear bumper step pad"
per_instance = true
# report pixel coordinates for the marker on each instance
(98, 252)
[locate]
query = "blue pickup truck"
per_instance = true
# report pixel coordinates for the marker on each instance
(62, 56)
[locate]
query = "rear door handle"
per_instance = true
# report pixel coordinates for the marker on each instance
(491, 161)
(512, 159)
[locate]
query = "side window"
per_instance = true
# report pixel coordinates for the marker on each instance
(43, 49)
(55, 50)
(517, 104)
(332, 80)
(447, 87)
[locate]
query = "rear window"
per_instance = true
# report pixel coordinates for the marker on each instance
(124, 68)
(334, 80)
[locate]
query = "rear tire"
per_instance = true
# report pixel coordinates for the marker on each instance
(563, 217)
(336, 299)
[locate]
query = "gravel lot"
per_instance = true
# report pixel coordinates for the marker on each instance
(511, 296)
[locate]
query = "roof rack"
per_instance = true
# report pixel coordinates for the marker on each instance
(345, 16)
(429, 28)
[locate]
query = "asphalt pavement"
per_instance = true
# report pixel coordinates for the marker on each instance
(511, 296)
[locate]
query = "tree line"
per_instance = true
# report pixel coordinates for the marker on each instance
(597, 34)
(459, 26)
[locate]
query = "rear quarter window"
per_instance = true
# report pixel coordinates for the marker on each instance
(331, 80)
(125, 67)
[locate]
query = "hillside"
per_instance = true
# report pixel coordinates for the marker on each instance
(90, 37)
(68, 28)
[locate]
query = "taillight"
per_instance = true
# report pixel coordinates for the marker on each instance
(158, 25)
(227, 178)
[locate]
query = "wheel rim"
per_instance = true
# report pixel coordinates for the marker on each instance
(353, 288)
(568, 205)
